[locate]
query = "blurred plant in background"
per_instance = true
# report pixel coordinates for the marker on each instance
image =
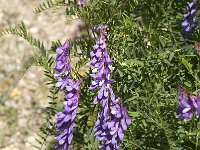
(190, 18)
(151, 58)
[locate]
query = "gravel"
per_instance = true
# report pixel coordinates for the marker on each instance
(24, 97)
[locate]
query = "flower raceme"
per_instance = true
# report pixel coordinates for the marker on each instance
(189, 19)
(81, 2)
(117, 126)
(189, 105)
(185, 105)
(102, 28)
(62, 65)
(113, 117)
(103, 65)
(111, 131)
(65, 119)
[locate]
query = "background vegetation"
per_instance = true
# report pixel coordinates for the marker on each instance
(151, 59)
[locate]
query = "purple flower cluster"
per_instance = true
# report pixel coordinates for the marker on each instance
(62, 66)
(110, 127)
(102, 68)
(113, 118)
(65, 119)
(81, 2)
(102, 28)
(189, 19)
(189, 105)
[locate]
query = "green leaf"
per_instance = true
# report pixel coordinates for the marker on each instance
(48, 4)
(187, 65)
(162, 41)
(21, 31)
(171, 56)
(134, 62)
(134, 114)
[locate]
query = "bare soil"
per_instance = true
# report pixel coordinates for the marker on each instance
(23, 98)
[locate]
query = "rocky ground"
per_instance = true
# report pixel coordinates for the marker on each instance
(24, 97)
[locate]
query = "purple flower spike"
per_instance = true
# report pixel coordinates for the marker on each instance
(81, 2)
(65, 119)
(103, 65)
(189, 19)
(186, 105)
(102, 28)
(112, 133)
(62, 66)
(199, 23)
(197, 105)
(113, 118)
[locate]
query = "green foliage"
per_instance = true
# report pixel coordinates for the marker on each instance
(22, 32)
(49, 4)
(70, 6)
(151, 60)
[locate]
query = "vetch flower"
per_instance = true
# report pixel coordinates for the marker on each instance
(186, 105)
(118, 125)
(199, 23)
(102, 28)
(111, 132)
(197, 105)
(113, 118)
(81, 2)
(65, 119)
(102, 65)
(62, 66)
(189, 19)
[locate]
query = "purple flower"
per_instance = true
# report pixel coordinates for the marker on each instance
(113, 118)
(186, 105)
(65, 119)
(111, 132)
(189, 19)
(81, 2)
(102, 28)
(102, 66)
(199, 23)
(62, 66)
(197, 105)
